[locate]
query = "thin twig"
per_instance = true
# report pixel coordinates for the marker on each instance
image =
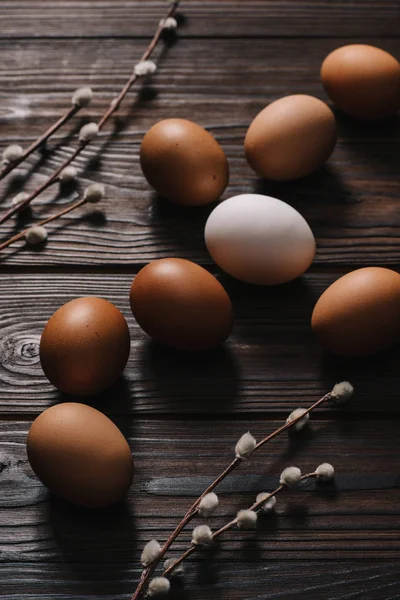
(40, 141)
(229, 525)
(148, 571)
(63, 212)
(114, 105)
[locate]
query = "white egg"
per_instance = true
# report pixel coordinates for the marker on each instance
(259, 239)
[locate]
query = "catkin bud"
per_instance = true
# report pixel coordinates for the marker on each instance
(290, 476)
(21, 197)
(176, 570)
(94, 193)
(88, 132)
(269, 502)
(325, 472)
(68, 174)
(36, 235)
(300, 424)
(12, 153)
(342, 392)
(246, 519)
(150, 553)
(245, 446)
(202, 536)
(82, 97)
(159, 586)
(169, 24)
(208, 504)
(145, 67)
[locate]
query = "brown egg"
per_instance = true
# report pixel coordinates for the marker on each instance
(359, 314)
(85, 346)
(183, 162)
(80, 455)
(363, 81)
(290, 138)
(180, 304)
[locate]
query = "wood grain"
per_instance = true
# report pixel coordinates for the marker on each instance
(252, 18)
(312, 546)
(270, 364)
(351, 204)
(183, 414)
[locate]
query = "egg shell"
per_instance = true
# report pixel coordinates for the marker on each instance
(80, 455)
(85, 346)
(180, 304)
(363, 81)
(259, 239)
(359, 314)
(290, 138)
(183, 162)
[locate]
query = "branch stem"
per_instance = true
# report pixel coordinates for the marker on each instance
(230, 525)
(40, 141)
(113, 107)
(63, 212)
(148, 571)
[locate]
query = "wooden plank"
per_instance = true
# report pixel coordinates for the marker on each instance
(270, 364)
(58, 551)
(351, 205)
(263, 18)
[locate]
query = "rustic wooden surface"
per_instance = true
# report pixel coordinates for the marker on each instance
(182, 415)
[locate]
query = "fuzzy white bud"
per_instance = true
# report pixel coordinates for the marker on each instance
(176, 570)
(88, 132)
(21, 197)
(12, 153)
(68, 174)
(290, 476)
(145, 67)
(82, 97)
(246, 519)
(150, 553)
(325, 472)
(202, 536)
(208, 504)
(36, 235)
(269, 502)
(159, 586)
(170, 24)
(298, 412)
(94, 193)
(245, 446)
(342, 392)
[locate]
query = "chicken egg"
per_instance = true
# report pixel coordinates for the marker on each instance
(363, 81)
(85, 346)
(80, 455)
(259, 239)
(290, 138)
(180, 304)
(183, 162)
(359, 314)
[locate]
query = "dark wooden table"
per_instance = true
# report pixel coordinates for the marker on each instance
(183, 415)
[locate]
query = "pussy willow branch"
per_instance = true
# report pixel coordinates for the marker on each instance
(148, 571)
(40, 140)
(229, 525)
(63, 212)
(114, 105)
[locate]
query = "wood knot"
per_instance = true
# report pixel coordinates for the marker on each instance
(19, 352)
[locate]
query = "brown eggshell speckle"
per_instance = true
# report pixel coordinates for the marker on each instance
(85, 346)
(183, 162)
(359, 314)
(180, 304)
(80, 455)
(290, 138)
(363, 81)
